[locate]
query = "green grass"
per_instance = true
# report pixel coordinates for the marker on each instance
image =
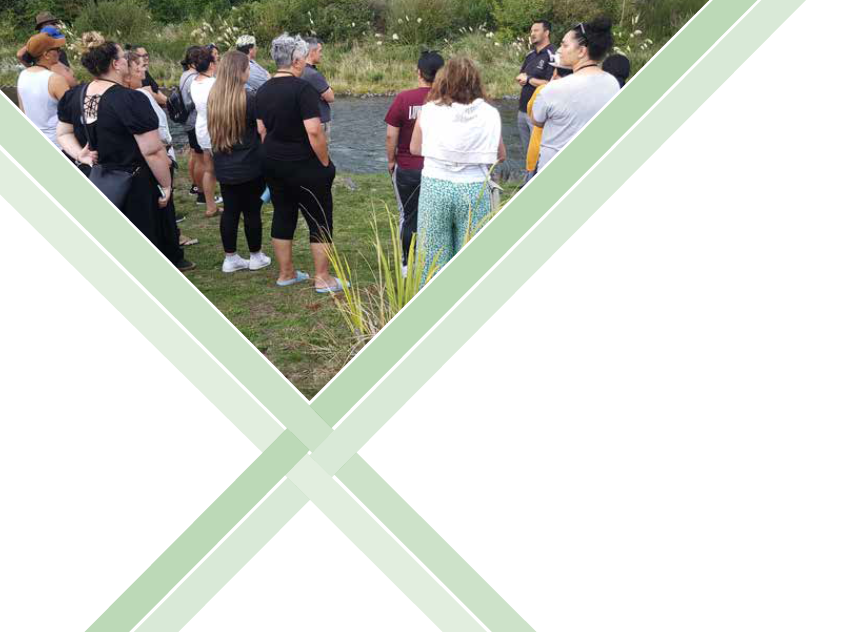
(301, 332)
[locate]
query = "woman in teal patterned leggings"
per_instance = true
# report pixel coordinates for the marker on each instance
(459, 135)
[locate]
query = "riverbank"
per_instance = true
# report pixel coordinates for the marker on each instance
(359, 68)
(375, 65)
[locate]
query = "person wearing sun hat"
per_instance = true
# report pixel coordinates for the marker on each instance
(257, 75)
(47, 23)
(39, 88)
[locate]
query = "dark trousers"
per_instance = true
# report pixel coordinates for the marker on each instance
(241, 199)
(406, 184)
(305, 187)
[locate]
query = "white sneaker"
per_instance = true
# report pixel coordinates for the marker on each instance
(234, 262)
(258, 260)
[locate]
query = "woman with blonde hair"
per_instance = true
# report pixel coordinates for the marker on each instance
(459, 135)
(231, 121)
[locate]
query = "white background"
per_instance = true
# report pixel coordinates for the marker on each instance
(662, 430)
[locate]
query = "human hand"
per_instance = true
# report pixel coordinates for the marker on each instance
(87, 157)
(163, 201)
(522, 78)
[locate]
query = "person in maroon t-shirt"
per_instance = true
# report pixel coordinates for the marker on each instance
(405, 169)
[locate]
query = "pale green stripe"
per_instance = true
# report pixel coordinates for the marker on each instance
(548, 237)
(422, 540)
(381, 548)
(520, 215)
(673, 108)
(111, 229)
(232, 555)
(131, 301)
(470, 249)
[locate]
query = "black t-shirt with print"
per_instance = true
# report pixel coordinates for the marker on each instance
(122, 114)
(243, 162)
(537, 65)
(283, 104)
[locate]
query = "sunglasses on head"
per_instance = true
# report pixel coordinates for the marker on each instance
(582, 30)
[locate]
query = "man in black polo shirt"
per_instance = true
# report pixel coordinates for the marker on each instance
(536, 70)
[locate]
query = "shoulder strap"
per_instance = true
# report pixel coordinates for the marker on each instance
(189, 78)
(84, 116)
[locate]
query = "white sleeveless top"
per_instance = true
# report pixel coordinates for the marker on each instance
(39, 106)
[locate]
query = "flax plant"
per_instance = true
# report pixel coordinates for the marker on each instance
(367, 310)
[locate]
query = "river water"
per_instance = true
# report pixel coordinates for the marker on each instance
(357, 144)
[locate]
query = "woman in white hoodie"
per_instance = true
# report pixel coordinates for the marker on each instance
(459, 135)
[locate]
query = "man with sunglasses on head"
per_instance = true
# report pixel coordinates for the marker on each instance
(536, 70)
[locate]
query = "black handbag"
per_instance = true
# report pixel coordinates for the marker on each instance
(115, 184)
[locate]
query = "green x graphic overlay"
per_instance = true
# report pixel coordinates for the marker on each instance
(205, 347)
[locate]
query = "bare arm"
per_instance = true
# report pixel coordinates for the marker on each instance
(57, 85)
(537, 82)
(327, 96)
(262, 130)
(66, 73)
(67, 141)
(416, 145)
(157, 159)
(390, 144)
(503, 152)
(317, 139)
(161, 99)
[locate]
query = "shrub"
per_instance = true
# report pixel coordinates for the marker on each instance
(420, 21)
(474, 13)
(123, 20)
(515, 17)
(565, 13)
(663, 18)
(173, 11)
(341, 19)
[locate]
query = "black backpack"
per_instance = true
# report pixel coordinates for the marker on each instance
(176, 108)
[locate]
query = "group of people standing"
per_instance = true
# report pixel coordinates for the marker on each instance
(552, 112)
(260, 136)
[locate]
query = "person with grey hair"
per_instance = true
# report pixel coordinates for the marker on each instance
(313, 76)
(257, 75)
(297, 165)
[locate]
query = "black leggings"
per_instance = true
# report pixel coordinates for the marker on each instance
(304, 186)
(242, 199)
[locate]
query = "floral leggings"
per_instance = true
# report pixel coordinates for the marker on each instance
(449, 213)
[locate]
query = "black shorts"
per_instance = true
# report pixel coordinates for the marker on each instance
(193, 142)
(305, 187)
